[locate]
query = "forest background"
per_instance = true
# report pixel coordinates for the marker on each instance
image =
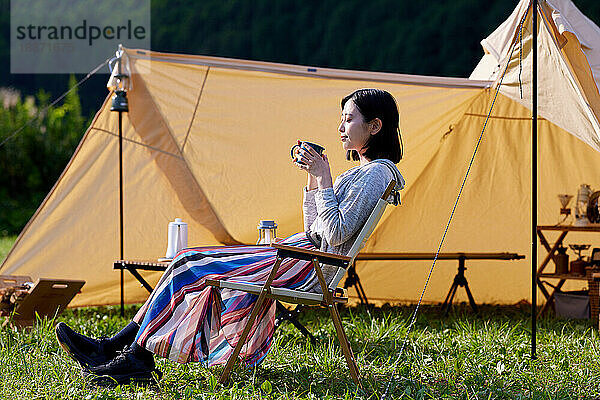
(435, 37)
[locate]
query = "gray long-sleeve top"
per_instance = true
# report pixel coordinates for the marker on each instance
(337, 214)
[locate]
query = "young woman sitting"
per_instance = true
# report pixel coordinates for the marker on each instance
(185, 320)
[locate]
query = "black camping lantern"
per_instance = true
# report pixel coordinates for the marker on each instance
(119, 99)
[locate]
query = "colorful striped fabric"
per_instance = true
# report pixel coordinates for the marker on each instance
(184, 320)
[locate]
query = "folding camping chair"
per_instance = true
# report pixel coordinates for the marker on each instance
(331, 295)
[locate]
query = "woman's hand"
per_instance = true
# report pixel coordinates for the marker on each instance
(317, 166)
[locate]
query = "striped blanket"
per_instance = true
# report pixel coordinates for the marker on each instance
(185, 320)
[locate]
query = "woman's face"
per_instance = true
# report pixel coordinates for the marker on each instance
(354, 131)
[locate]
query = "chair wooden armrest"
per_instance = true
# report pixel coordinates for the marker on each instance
(308, 255)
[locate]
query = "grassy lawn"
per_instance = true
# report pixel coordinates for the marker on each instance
(6, 243)
(463, 355)
(466, 356)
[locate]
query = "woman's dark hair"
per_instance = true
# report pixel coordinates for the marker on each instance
(387, 143)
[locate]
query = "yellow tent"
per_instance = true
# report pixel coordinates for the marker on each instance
(207, 139)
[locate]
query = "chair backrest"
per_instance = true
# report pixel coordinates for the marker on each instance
(390, 196)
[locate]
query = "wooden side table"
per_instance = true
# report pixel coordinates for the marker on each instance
(543, 277)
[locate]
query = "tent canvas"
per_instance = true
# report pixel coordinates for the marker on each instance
(207, 139)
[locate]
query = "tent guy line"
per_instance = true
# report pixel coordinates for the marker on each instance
(139, 143)
(195, 109)
(59, 98)
(462, 186)
(502, 117)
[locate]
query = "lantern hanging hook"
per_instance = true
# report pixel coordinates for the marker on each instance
(116, 58)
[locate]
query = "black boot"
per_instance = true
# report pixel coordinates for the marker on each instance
(134, 364)
(91, 352)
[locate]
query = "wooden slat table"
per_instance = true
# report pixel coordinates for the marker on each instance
(542, 276)
(459, 278)
(134, 265)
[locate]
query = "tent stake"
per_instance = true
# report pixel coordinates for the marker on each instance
(534, 171)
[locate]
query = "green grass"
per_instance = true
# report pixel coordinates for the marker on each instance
(6, 243)
(466, 356)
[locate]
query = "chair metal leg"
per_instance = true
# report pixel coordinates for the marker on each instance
(290, 315)
(344, 344)
(253, 315)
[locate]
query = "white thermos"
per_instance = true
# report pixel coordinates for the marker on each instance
(178, 237)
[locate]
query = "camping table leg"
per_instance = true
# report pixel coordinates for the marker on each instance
(449, 297)
(122, 296)
(543, 241)
(549, 256)
(352, 279)
(551, 251)
(459, 280)
(550, 300)
(470, 296)
(132, 267)
(140, 279)
(543, 289)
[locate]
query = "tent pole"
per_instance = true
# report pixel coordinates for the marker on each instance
(121, 206)
(120, 104)
(534, 183)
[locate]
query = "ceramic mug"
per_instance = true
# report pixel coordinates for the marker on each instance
(318, 148)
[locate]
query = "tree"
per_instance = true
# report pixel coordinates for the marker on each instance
(32, 160)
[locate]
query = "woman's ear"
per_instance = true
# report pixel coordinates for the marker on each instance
(375, 126)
